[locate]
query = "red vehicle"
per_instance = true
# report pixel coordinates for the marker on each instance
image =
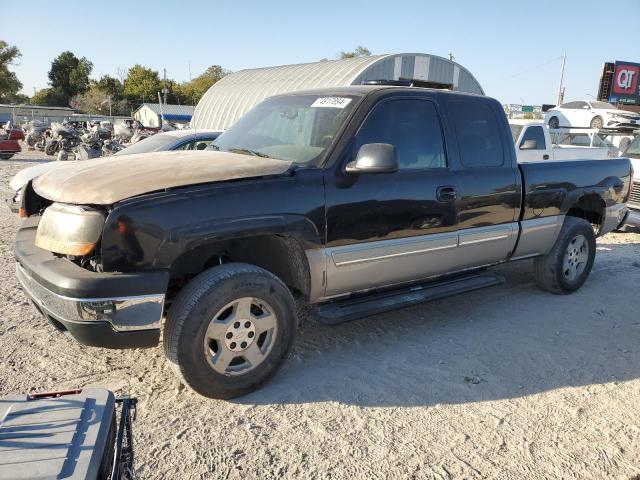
(9, 145)
(8, 148)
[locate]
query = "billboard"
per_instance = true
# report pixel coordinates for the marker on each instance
(625, 87)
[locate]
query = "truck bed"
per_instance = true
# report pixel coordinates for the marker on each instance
(550, 188)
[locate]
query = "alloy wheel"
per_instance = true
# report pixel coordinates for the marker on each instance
(240, 336)
(575, 258)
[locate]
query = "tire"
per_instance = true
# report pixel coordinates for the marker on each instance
(554, 270)
(201, 318)
(596, 123)
(51, 148)
(554, 123)
(6, 156)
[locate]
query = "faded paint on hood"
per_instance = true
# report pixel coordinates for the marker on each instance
(26, 174)
(108, 180)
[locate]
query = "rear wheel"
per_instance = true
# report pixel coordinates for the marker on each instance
(230, 329)
(554, 122)
(6, 156)
(566, 267)
(596, 123)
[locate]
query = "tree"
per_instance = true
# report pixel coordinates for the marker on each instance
(359, 51)
(69, 75)
(142, 84)
(111, 86)
(9, 83)
(97, 101)
(48, 96)
(191, 92)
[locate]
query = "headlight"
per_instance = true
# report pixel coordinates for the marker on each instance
(70, 229)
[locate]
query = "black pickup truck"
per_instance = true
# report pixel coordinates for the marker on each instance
(334, 203)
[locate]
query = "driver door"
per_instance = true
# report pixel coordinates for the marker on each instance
(389, 228)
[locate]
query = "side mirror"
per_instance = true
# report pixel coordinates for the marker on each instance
(586, 107)
(529, 145)
(374, 158)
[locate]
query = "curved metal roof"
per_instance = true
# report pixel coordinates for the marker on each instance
(228, 99)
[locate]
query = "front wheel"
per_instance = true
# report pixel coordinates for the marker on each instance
(596, 123)
(566, 267)
(229, 330)
(6, 156)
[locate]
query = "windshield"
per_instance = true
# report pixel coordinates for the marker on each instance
(602, 106)
(296, 128)
(155, 143)
(515, 131)
(633, 150)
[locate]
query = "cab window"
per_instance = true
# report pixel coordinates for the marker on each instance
(412, 126)
(478, 134)
(537, 134)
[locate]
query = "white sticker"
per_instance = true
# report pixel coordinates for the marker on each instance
(331, 102)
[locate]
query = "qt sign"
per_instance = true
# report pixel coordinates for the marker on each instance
(625, 83)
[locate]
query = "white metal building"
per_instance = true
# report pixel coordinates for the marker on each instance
(25, 113)
(229, 98)
(150, 114)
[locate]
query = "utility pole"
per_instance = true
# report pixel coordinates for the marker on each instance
(560, 87)
(161, 111)
(165, 90)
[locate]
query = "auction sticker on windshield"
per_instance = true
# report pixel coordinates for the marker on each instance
(331, 102)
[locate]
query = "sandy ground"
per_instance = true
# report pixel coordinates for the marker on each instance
(508, 382)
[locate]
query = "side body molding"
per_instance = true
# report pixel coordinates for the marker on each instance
(362, 266)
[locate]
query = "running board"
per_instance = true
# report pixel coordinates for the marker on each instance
(357, 307)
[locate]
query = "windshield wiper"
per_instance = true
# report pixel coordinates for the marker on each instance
(249, 152)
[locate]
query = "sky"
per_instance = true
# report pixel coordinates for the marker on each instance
(512, 47)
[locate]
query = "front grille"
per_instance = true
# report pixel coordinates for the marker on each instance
(634, 196)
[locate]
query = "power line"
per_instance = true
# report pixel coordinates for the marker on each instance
(555, 59)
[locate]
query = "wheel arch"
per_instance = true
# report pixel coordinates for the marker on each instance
(589, 206)
(276, 244)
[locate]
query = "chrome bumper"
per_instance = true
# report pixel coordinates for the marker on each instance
(124, 314)
(633, 218)
(613, 217)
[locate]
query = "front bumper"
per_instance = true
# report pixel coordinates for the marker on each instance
(110, 310)
(13, 202)
(633, 218)
(622, 124)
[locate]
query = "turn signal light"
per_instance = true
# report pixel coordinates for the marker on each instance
(76, 249)
(22, 212)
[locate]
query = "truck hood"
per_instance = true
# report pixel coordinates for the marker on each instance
(23, 177)
(108, 180)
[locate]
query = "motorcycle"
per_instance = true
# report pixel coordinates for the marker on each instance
(65, 138)
(34, 133)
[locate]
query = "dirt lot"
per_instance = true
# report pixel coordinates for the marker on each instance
(508, 382)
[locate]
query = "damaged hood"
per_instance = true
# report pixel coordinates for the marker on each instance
(108, 180)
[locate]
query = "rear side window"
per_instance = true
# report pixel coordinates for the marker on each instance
(412, 127)
(569, 105)
(478, 134)
(537, 134)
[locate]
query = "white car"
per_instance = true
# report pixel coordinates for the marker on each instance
(590, 114)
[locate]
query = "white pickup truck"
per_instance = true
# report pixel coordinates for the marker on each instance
(536, 143)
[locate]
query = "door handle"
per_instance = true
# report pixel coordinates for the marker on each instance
(446, 194)
(545, 157)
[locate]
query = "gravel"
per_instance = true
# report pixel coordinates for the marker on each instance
(506, 382)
